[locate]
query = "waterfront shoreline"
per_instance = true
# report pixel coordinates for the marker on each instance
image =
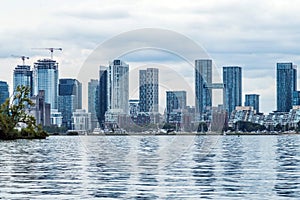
(181, 134)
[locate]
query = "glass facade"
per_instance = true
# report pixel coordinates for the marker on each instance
(118, 84)
(23, 76)
(296, 98)
(148, 90)
(252, 100)
(102, 95)
(4, 94)
(203, 78)
(176, 100)
(69, 99)
(286, 81)
(232, 79)
(92, 90)
(46, 78)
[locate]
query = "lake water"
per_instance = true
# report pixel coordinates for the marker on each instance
(151, 167)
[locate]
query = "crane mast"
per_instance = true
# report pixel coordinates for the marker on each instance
(22, 57)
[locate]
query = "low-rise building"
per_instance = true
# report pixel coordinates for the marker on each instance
(81, 121)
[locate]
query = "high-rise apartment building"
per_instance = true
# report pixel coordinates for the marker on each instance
(232, 79)
(69, 99)
(118, 84)
(286, 81)
(23, 76)
(102, 95)
(148, 90)
(203, 79)
(253, 101)
(4, 92)
(46, 78)
(92, 90)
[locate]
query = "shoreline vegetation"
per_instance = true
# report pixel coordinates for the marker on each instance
(15, 122)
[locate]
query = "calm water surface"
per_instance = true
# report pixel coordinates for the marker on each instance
(151, 167)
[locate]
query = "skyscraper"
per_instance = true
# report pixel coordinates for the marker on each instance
(118, 80)
(286, 79)
(69, 99)
(92, 90)
(101, 101)
(149, 90)
(232, 79)
(46, 78)
(23, 76)
(252, 100)
(203, 79)
(4, 94)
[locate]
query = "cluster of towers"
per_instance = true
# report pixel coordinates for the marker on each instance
(108, 97)
(55, 99)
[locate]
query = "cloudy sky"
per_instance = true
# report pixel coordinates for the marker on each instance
(251, 34)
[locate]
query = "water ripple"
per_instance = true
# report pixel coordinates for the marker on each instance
(151, 167)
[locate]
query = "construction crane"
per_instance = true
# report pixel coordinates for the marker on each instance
(49, 49)
(22, 57)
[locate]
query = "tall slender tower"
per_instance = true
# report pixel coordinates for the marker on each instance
(203, 78)
(232, 78)
(286, 79)
(23, 76)
(149, 90)
(92, 90)
(101, 101)
(118, 84)
(46, 78)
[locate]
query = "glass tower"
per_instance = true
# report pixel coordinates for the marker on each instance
(118, 80)
(203, 78)
(4, 94)
(92, 90)
(101, 101)
(286, 81)
(46, 78)
(252, 100)
(69, 99)
(232, 79)
(23, 76)
(148, 90)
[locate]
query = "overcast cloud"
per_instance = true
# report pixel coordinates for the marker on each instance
(252, 34)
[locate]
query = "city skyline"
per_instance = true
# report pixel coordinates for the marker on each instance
(80, 28)
(203, 72)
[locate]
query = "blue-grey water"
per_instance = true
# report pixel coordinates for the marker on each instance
(151, 167)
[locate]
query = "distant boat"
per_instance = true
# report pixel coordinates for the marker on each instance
(98, 131)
